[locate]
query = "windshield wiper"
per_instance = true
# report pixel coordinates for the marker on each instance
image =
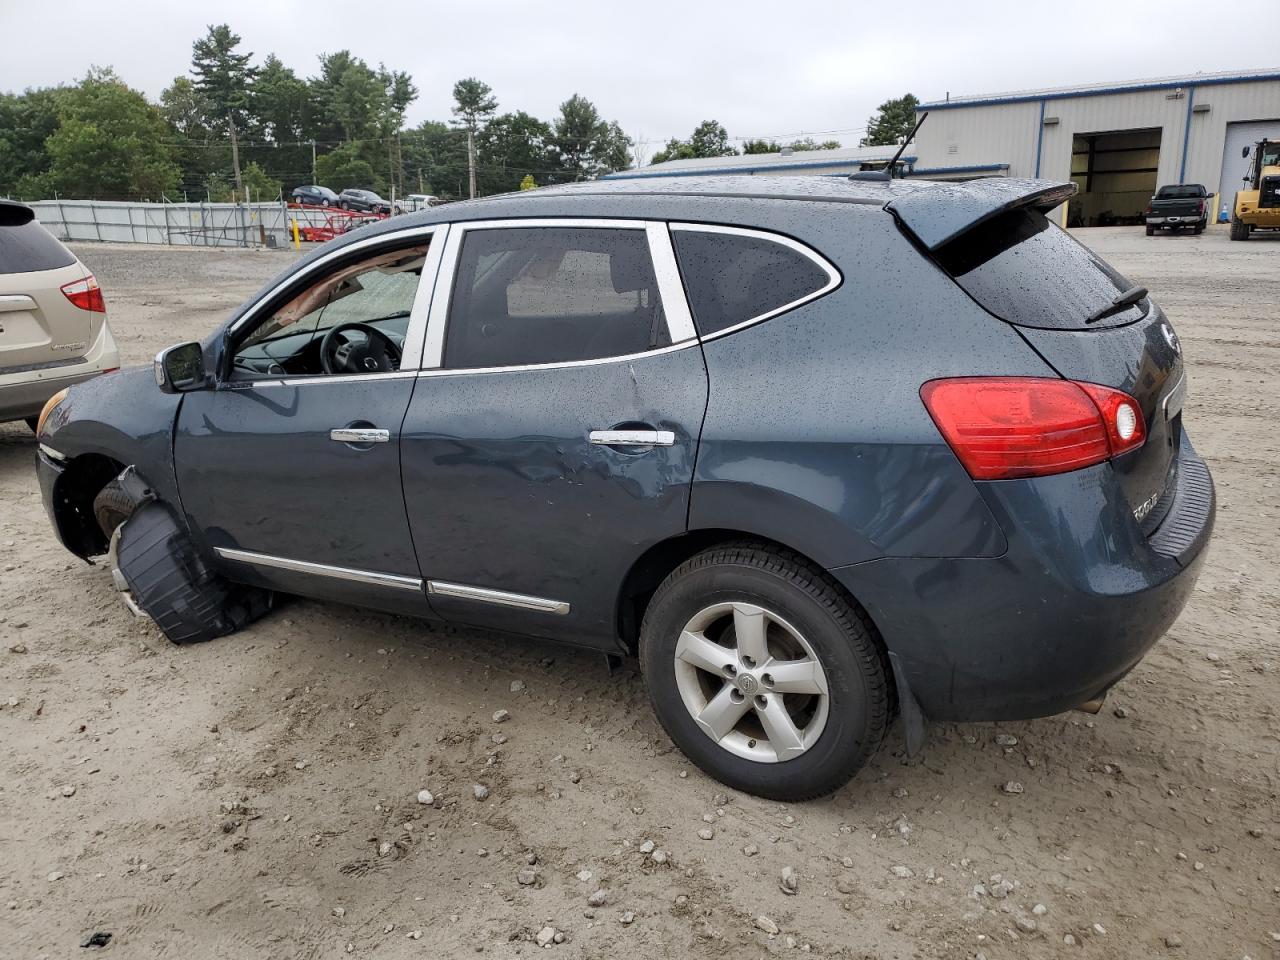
(1126, 298)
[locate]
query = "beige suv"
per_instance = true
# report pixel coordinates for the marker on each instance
(53, 321)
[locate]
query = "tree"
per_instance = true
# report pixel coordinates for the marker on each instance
(586, 144)
(344, 167)
(278, 101)
(26, 122)
(473, 102)
(110, 143)
(223, 76)
(511, 147)
(398, 93)
(808, 143)
(892, 122)
(761, 146)
(435, 155)
(709, 139)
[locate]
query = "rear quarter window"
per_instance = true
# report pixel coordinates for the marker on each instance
(732, 277)
(1027, 270)
(25, 246)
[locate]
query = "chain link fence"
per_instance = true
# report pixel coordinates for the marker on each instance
(174, 224)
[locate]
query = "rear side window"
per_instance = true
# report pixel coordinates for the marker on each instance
(733, 277)
(26, 247)
(1029, 271)
(530, 295)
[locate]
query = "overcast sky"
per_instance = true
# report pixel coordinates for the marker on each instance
(763, 68)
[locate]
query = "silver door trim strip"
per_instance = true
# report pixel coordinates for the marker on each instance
(637, 438)
(558, 365)
(321, 569)
(503, 598)
(302, 381)
(834, 277)
(675, 308)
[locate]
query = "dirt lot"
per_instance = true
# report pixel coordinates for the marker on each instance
(256, 796)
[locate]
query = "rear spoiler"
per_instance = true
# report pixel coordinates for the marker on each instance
(941, 212)
(14, 214)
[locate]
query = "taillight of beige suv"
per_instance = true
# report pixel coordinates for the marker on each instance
(53, 319)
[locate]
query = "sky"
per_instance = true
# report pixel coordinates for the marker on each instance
(763, 68)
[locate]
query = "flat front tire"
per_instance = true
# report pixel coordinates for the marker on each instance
(764, 673)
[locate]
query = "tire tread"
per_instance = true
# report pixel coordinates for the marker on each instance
(863, 637)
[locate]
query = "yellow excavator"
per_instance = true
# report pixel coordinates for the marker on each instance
(1258, 206)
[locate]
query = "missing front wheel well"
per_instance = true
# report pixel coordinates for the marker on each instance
(73, 495)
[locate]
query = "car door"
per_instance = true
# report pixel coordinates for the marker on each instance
(551, 437)
(292, 475)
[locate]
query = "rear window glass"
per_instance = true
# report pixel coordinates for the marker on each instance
(731, 278)
(28, 247)
(1029, 271)
(1183, 191)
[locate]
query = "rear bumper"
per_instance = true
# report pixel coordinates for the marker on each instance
(23, 394)
(1074, 604)
(1178, 220)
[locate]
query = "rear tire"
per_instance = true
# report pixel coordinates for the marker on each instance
(840, 709)
(1151, 231)
(1239, 230)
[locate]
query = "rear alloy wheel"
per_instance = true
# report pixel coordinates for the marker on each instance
(764, 673)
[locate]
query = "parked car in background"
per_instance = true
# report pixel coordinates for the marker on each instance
(365, 200)
(1178, 206)
(817, 450)
(313, 195)
(419, 201)
(53, 319)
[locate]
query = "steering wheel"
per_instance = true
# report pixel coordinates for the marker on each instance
(377, 353)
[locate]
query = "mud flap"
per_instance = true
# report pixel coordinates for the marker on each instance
(173, 585)
(913, 720)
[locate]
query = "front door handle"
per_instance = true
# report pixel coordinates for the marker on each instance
(632, 438)
(359, 435)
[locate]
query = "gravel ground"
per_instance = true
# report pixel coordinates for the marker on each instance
(259, 796)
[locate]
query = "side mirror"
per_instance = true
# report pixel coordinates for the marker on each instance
(180, 368)
(1244, 152)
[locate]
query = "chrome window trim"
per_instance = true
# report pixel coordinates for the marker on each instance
(412, 336)
(321, 569)
(560, 365)
(301, 381)
(502, 598)
(834, 277)
(675, 306)
(681, 332)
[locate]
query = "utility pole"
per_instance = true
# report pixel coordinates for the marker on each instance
(235, 154)
(313, 161)
(471, 159)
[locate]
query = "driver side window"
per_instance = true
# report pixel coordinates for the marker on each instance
(351, 320)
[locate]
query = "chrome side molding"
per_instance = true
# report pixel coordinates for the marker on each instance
(462, 591)
(392, 580)
(632, 438)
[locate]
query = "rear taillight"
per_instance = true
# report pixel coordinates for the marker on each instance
(1001, 428)
(85, 294)
(1201, 210)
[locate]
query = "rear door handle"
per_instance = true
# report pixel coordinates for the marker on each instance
(359, 435)
(633, 438)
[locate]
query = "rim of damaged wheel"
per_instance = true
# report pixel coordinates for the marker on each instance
(751, 682)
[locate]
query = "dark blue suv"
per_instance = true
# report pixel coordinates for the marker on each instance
(818, 451)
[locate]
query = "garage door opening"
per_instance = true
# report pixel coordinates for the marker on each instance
(1116, 176)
